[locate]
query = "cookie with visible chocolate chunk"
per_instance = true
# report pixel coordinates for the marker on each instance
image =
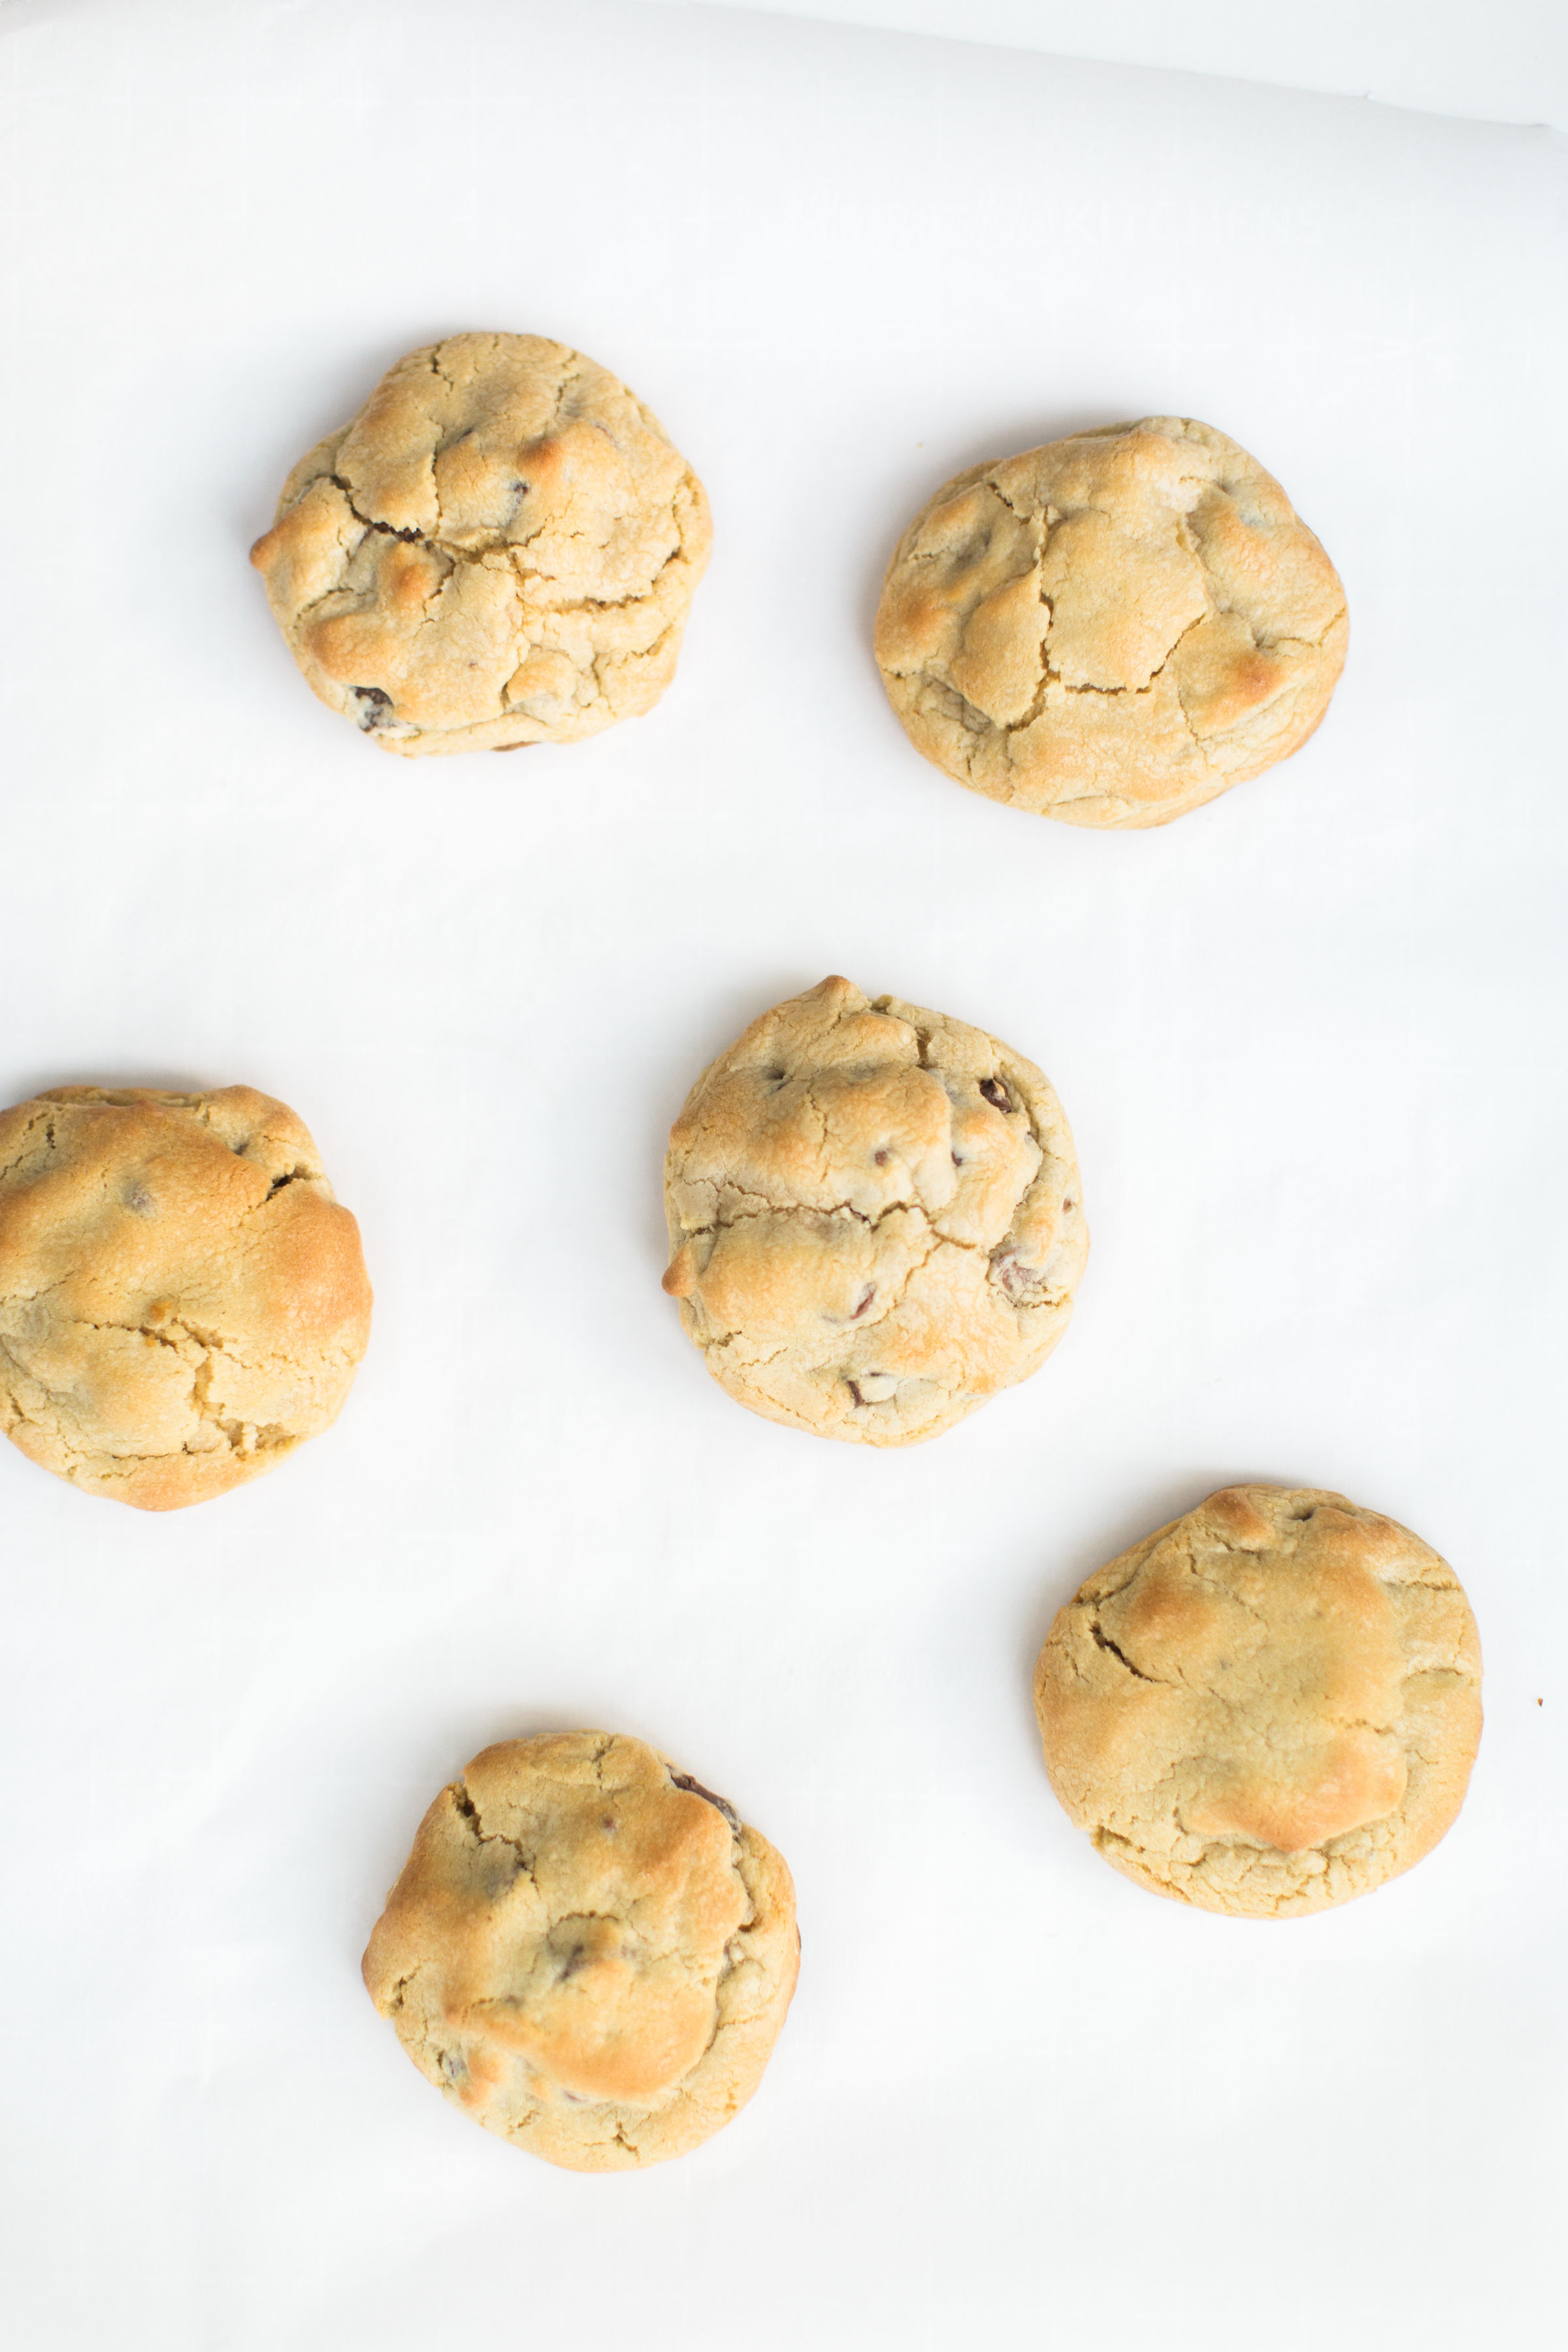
(183, 1301)
(875, 1217)
(1113, 628)
(500, 550)
(1269, 1707)
(587, 1952)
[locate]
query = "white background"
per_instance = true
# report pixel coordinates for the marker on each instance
(1503, 60)
(1309, 1038)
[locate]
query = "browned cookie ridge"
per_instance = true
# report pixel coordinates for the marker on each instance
(875, 1217)
(1113, 628)
(182, 1299)
(587, 1952)
(1269, 1707)
(500, 550)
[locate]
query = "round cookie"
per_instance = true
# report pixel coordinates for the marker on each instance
(1113, 628)
(587, 1952)
(500, 550)
(1266, 1707)
(182, 1301)
(875, 1217)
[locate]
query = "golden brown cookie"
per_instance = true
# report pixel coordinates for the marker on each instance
(1110, 629)
(500, 550)
(875, 1217)
(587, 1952)
(182, 1301)
(1267, 1707)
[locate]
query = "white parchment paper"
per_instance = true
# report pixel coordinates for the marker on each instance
(1495, 60)
(1309, 1039)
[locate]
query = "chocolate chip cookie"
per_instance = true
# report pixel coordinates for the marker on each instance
(500, 550)
(182, 1301)
(587, 1952)
(1113, 628)
(875, 1217)
(1266, 1707)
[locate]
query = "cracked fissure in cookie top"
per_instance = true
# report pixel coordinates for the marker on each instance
(875, 1216)
(1268, 1706)
(182, 1299)
(500, 549)
(588, 1950)
(1112, 628)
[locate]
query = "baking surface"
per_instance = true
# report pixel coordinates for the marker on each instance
(1309, 1040)
(1498, 61)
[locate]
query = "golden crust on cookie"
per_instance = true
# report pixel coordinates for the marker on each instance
(500, 550)
(875, 1217)
(587, 1952)
(1266, 1707)
(1113, 628)
(182, 1299)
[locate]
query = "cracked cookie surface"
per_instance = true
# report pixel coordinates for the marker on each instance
(182, 1299)
(587, 1952)
(1269, 1707)
(1113, 628)
(500, 550)
(875, 1217)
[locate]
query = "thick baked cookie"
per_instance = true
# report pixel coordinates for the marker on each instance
(1113, 628)
(182, 1301)
(500, 550)
(1267, 1707)
(587, 1952)
(875, 1217)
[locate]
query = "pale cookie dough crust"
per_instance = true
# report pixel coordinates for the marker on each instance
(182, 1301)
(1113, 628)
(587, 1952)
(1269, 1707)
(500, 550)
(875, 1217)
